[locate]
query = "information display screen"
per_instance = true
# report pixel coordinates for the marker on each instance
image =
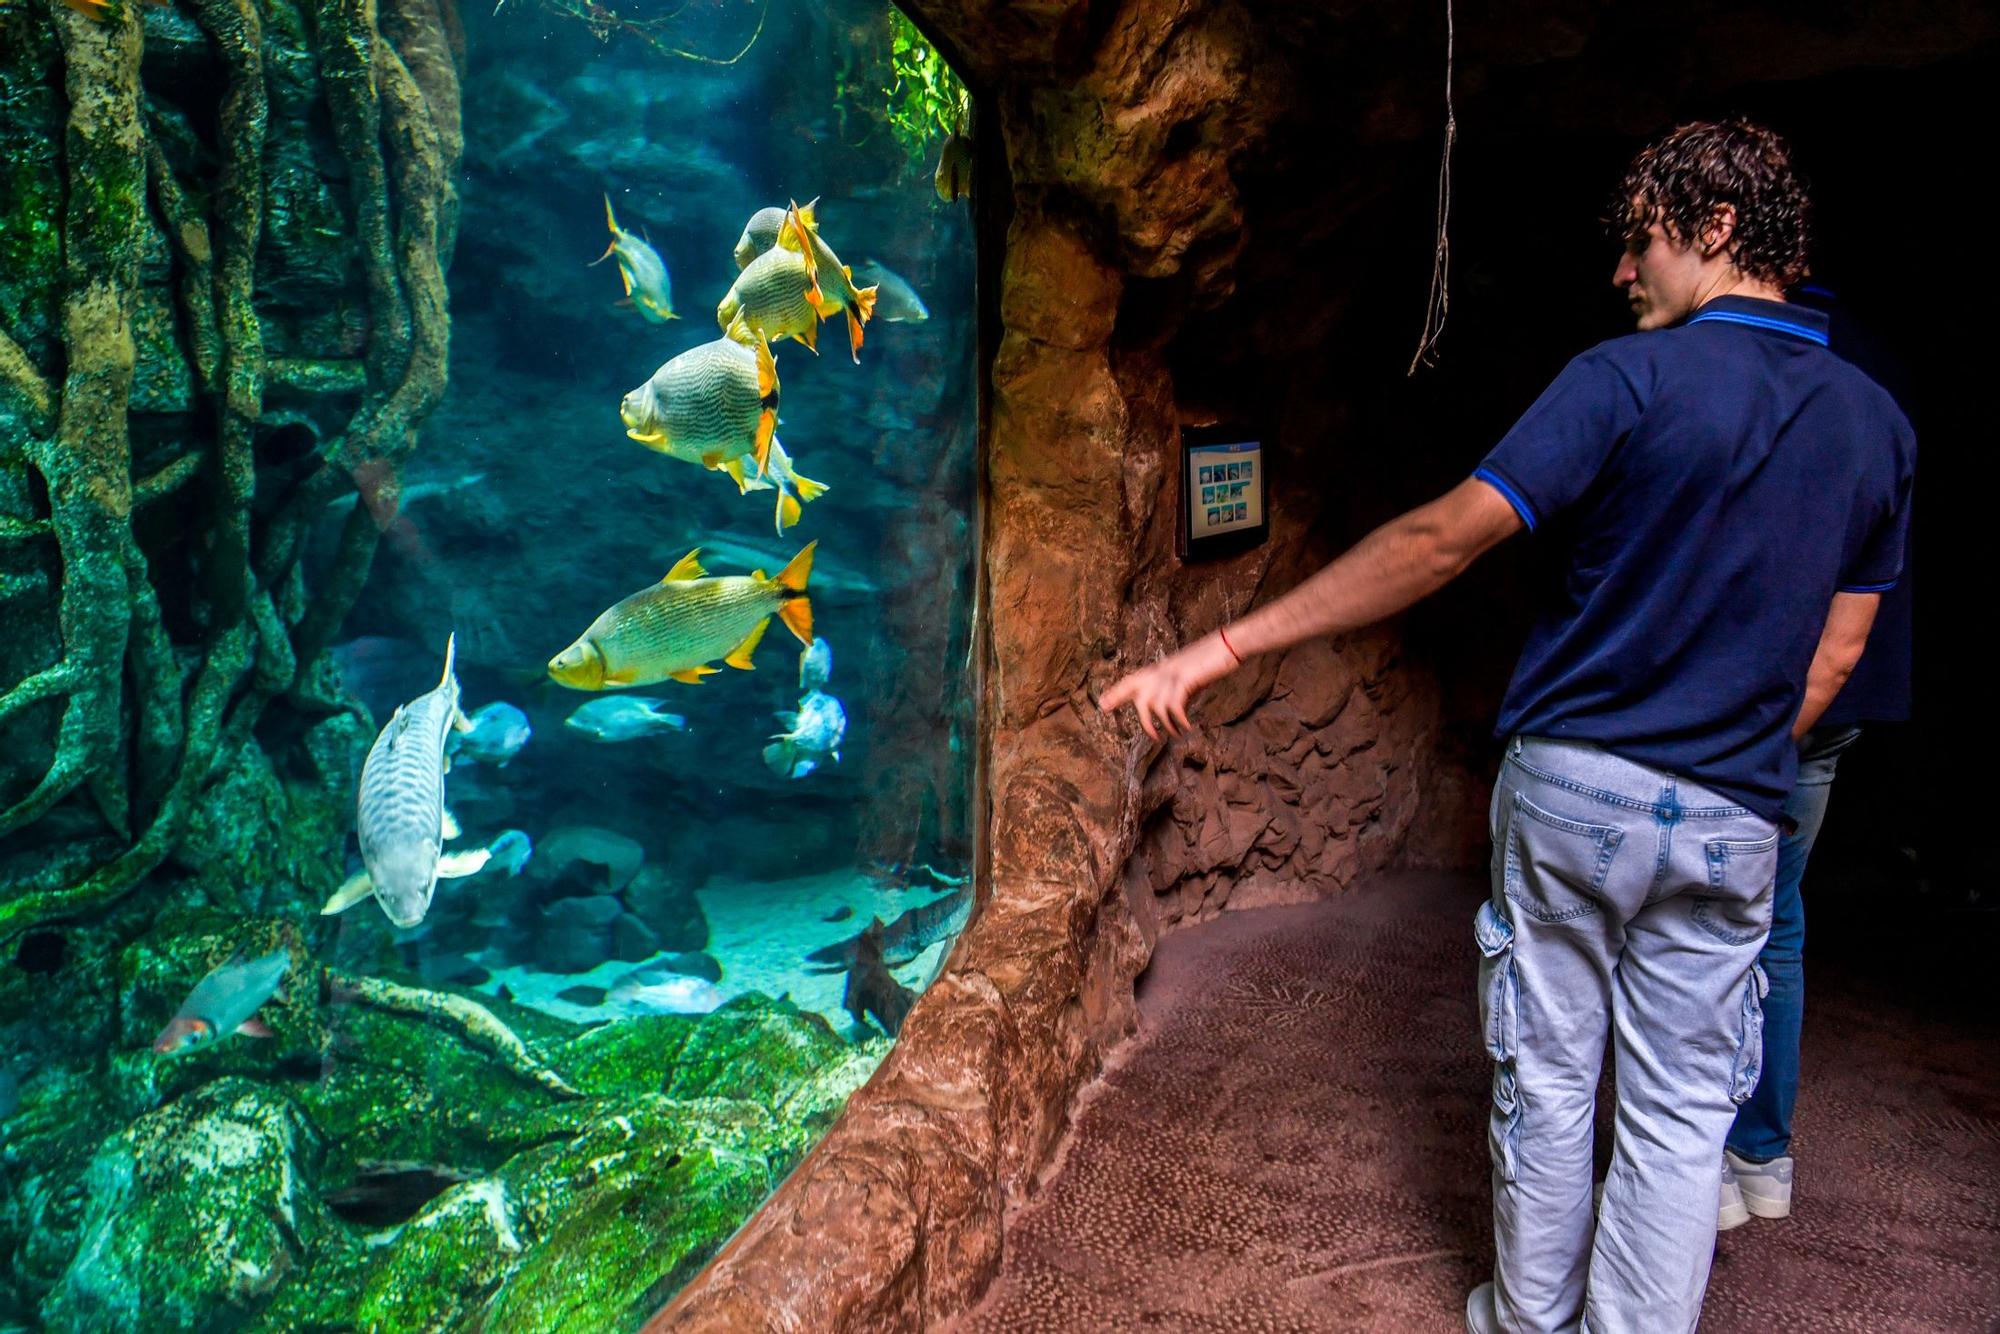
(1223, 482)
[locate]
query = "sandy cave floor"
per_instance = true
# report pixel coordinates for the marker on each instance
(1296, 1142)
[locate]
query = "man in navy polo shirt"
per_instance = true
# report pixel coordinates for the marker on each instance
(1730, 498)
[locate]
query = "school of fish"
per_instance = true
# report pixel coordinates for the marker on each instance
(715, 405)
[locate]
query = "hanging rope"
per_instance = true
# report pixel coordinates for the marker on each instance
(1440, 299)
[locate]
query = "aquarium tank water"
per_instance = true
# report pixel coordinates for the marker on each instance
(487, 584)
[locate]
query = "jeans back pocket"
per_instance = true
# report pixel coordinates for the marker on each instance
(1556, 866)
(1742, 874)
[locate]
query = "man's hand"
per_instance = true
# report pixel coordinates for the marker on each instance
(1161, 692)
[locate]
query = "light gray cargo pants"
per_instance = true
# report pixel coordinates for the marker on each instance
(1630, 902)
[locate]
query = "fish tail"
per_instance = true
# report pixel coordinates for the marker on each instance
(610, 218)
(808, 489)
(788, 509)
(796, 612)
(778, 756)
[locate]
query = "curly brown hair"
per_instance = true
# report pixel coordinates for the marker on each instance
(1680, 179)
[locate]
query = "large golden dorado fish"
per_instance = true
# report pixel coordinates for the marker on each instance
(687, 620)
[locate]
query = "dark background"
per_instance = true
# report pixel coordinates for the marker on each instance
(1331, 299)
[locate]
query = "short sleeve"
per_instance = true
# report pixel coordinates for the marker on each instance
(1877, 563)
(1560, 445)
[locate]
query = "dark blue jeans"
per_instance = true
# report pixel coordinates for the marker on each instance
(1763, 1128)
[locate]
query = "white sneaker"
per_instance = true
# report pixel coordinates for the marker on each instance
(1765, 1188)
(1732, 1213)
(1480, 1317)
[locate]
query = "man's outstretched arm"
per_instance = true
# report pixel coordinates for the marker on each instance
(1397, 565)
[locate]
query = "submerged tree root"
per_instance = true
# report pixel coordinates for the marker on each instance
(145, 756)
(471, 1020)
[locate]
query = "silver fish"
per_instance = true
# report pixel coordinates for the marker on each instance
(654, 991)
(499, 730)
(400, 808)
(641, 269)
(814, 736)
(224, 1002)
(896, 302)
(815, 665)
(624, 718)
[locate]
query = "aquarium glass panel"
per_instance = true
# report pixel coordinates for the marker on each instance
(487, 564)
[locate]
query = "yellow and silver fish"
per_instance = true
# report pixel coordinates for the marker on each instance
(769, 301)
(953, 178)
(641, 268)
(785, 478)
(711, 405)
(832, 282)
(678, 626)
(761, 233)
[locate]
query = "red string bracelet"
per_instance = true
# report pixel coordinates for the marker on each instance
(1224, 637)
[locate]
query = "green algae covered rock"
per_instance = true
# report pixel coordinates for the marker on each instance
(580, 1235)
(197, 1213)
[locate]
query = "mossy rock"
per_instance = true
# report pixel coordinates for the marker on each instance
(754, 1048)
(580, 1235)
(197, 1214)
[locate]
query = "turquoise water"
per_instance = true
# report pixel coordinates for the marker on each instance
(540, 1092)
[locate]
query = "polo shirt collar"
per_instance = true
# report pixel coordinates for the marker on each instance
(1777, 316)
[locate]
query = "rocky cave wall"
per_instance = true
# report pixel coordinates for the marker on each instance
(1198, 201)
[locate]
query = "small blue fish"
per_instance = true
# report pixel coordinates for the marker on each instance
(624, 718)
(224, 1002)
(815, 665)
(512, 850)
(499, 730)
(816, 730)
(641, 268)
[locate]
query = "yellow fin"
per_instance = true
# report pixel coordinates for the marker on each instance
(759, 574)
(788, 511)
(735, 469)
(693, 675)
(805, 253)
(610, 218)
(739, 657)
(808, 488)
(625, 276)
(796, 612)
(354, 889)
(810, 337)
(687, 567)
(458, 865)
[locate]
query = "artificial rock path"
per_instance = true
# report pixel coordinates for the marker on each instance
(1295, 1141)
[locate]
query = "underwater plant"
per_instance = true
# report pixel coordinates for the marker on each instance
(905, 87)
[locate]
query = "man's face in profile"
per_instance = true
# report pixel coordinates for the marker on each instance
(1660, 277)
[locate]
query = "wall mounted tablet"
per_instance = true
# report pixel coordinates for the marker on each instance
(1224, 501)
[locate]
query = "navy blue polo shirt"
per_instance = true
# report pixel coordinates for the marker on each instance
(1713, 485)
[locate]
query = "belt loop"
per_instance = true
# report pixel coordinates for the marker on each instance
(1514, 746)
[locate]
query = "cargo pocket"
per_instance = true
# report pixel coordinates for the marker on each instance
(1742, 874)
(1499, 992)
(1499, 1018)
(1750, 1041)
(1556, 866)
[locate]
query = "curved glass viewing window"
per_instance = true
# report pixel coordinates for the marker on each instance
(486, 595)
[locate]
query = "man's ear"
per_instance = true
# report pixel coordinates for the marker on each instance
(1718, 231)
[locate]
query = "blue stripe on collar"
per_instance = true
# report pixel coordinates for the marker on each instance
(1805, 331)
